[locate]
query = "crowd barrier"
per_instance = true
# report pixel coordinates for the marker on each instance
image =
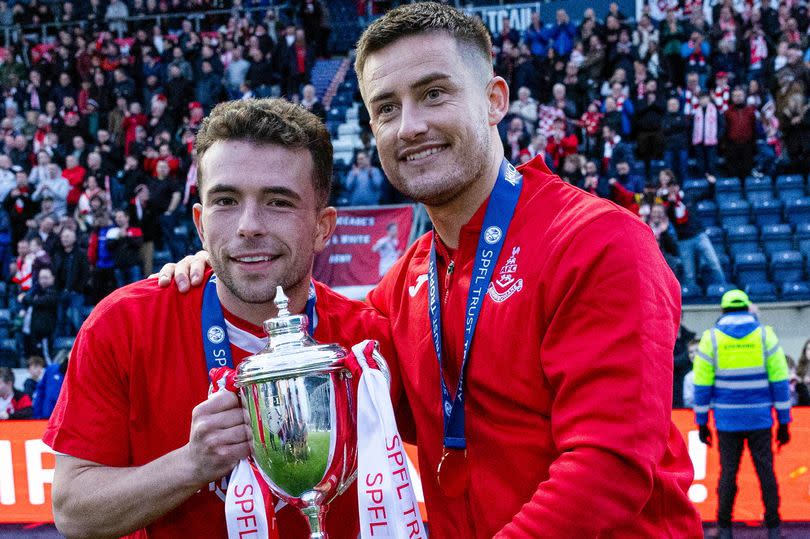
(26, 473)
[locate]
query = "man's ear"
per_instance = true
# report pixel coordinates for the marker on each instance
(196, 214)
(327, 221)
(498, 99)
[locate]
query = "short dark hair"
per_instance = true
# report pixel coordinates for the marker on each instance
(271, 121)
(7, 375)
(421, 18)
(37, 361)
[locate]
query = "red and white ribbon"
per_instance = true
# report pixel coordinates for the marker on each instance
(246, 514)
(387, 503)
(249, 511)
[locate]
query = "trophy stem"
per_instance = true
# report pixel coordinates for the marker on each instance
(316, 515)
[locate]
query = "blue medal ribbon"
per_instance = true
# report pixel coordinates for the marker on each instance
(498, 216)
(216, 345)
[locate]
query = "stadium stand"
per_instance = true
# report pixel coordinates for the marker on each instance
(86, 97)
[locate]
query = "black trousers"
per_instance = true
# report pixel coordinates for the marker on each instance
(731, 449)
(740, 159)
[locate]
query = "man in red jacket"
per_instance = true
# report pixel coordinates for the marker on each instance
(555, 420)
(741, 132)
(561, 424)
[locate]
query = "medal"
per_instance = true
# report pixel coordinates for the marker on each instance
(453, 472)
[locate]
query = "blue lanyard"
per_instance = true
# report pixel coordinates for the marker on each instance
(216, 344)
(498, 216)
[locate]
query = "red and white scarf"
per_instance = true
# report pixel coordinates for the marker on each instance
(721, 97)
(704, 129)
(692, 101)
(759, 51)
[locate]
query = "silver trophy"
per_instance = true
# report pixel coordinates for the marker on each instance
(303, 413)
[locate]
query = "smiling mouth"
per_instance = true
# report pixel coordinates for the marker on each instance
(254, 259)
(424, 153)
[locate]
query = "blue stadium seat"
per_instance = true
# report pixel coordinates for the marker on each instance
(743, 239)
(757, 189)
(787, 267)
(336, 114)
(789, 186)
(5, 323)
(727, 189)
(751, 268)
(693, 188)
(9, 356)
(332, 127)
(734, 212)
(777, 238)
(795, 291)
(802, 237)
(714, 292)
(717, 236)
(707, 211)
(761, 291)
(691, 293)
(767, 211)
(797, 211)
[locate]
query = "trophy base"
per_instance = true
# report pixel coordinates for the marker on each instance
(316, 516)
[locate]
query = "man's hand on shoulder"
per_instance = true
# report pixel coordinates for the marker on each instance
(186, 274)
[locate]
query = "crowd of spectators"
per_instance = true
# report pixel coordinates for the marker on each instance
(98, 118)
(700, 90)
(97, 124)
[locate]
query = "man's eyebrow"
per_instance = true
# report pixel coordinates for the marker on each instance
(283, 191)
(220, 188)
(424, 81)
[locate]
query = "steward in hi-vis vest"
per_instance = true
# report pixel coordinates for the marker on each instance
(741, 372)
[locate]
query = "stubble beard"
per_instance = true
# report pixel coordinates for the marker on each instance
(465, 169)
(256, 291)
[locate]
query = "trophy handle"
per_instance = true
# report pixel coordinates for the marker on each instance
(316, 515)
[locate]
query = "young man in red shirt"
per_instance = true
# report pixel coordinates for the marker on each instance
(140, 449)
(555, 420)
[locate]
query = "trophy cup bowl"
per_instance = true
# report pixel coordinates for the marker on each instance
(298, 395)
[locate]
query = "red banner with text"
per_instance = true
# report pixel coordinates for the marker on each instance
(26, 473)
(366, 242)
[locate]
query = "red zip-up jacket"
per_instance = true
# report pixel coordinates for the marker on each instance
(569, 381)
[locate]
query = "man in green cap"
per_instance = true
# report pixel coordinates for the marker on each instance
(741, 371)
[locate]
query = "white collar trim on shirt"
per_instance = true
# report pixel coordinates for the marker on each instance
(244, 339)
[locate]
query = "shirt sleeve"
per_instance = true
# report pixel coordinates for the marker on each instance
(704, 378)
(778, 376)
(612, 312)
(92, 415)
